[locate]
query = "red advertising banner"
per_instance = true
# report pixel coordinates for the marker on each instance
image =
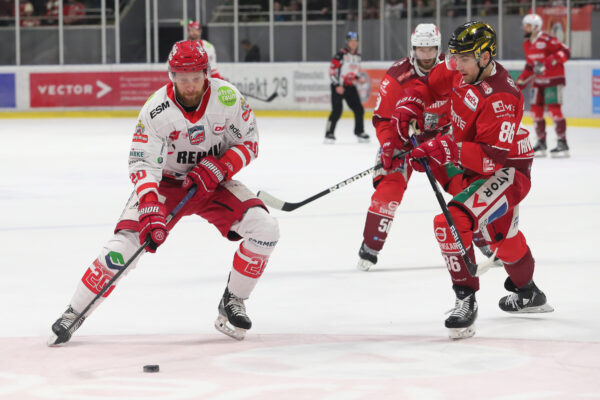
(92, 89)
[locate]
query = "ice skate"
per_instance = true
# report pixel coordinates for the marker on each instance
(329, 138)
(232, 320)
(539, 150)
(561, 150)
(363, 137)
(62, 329)
(528, 299)
(367, 258)
(461, 322)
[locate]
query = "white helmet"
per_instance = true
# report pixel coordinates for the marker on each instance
(534, 20)
(425, 35)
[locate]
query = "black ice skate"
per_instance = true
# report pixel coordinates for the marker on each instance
(528, 299)
(232, 320)
(63, 328)
(363, 137)
(367, 258)
(539, 150)
(329, 138)
(461, 322)
(561, 150)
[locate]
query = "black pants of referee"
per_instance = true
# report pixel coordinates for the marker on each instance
(353, 100)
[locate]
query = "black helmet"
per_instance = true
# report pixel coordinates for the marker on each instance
(473, 37)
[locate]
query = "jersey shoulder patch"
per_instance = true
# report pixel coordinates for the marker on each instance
(401, 71)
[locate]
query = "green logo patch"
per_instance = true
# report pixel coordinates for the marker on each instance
(227, 96)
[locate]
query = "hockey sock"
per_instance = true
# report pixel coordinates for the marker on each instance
(454, 261)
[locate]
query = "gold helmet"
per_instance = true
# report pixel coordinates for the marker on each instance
(473, 37)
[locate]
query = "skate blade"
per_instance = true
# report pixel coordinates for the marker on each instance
(364, 140)
(545, 308)
(562, 154)
(329, 141)
(53, 339)
(223, 326)
(461, 333)
(364, 265)
(540, 153)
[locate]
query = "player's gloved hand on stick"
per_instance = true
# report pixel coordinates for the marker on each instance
(409, 107)
(539, 68)
(387, 153)
(442, 150)
(206, 175)
(152, 222)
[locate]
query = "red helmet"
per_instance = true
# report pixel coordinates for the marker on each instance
(188, 56)
(195, 25)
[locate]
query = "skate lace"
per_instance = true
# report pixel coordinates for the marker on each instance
(461, 307)
(236, 305)
(67, 320)
(512, 300)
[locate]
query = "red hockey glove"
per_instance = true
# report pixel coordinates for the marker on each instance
(409, 107)
(152, 223)
(206, 175)
(442, 150)
(387, 154)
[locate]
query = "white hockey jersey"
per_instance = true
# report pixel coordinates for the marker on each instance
(168, 141)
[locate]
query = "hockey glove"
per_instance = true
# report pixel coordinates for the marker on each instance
(387, 154)
(206, 175)
(152, 222)
(408, 108)
(442, 150)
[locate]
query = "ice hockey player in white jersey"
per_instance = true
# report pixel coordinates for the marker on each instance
(194, 30)
(192, 131)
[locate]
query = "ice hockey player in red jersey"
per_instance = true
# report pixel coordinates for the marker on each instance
(192, 131)
(344, 73)
(194, 30)
(390, 183)
(544, 67)
(496, 156)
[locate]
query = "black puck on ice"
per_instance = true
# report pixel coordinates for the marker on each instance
(151, 368)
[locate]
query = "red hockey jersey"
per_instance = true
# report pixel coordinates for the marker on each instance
(551, 53)
(486, 117)
(401, 76)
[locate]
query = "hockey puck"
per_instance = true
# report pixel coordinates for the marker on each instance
(151, 368)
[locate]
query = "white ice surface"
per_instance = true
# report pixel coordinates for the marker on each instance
(322, 329)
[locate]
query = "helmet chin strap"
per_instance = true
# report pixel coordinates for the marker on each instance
(481, 69)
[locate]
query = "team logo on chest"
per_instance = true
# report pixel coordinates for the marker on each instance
(196, 134)
(471, 100)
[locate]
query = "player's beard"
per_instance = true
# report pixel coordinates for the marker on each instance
(527, 34)
(430, 64)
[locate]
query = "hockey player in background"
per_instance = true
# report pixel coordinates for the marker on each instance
(545, 58)
(192, 131)
(344, 73)
(496, 156)
(390, 183)
(194, 30)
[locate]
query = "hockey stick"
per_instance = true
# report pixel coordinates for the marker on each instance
(178, 208)
(266, 100)
(473, 268)
(278, 204)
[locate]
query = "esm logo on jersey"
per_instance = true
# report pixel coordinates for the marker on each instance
(196, 134)
(160, 108)
(471, 100)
